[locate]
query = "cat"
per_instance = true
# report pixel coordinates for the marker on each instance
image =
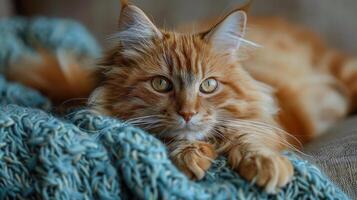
(191, 91)
(203, 96)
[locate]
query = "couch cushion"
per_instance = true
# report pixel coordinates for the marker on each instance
(336, 153)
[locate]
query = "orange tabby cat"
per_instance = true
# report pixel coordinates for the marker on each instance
(191, 91)
(197, 93)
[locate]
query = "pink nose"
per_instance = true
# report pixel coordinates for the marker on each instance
(187, 115)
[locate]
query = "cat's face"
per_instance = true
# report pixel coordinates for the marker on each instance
(177, 85)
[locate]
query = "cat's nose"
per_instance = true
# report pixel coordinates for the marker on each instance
(187, 115)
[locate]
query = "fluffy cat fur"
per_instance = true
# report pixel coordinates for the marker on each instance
(236, 120)
(292, 84)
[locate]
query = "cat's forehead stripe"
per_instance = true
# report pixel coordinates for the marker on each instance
(184, 58)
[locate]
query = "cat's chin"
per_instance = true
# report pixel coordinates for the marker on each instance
(188, 134)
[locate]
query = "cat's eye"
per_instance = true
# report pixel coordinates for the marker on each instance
(209, 85)
(161, 84)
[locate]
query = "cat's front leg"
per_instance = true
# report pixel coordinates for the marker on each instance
(270, 171)
(259, 163)
(192, 157)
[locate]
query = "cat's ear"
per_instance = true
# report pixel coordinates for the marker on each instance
(228, 34)
(135, 26)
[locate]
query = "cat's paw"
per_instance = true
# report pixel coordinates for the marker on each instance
(270, 171)
(194, 159)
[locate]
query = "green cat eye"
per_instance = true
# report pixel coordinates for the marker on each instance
(209, 85)
(161, 84)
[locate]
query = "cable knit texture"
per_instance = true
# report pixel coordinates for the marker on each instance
(87, 156)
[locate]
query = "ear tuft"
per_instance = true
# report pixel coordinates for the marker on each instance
(135, 26)
(124, 3)
(228, 34)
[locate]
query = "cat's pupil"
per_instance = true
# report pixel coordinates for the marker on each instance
(161, 84)
(209, 85)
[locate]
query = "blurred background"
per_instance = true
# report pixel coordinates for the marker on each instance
(335, 21)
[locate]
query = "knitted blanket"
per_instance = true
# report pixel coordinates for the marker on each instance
(83, 155)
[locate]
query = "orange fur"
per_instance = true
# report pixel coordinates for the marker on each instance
(193, 158)
(59, 76)
(310, 99)
(304, 73)
(237, 117)
(313, 87)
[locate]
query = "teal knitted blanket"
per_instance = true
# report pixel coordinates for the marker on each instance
(83, 155)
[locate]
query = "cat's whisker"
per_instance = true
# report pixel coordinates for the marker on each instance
(150, 126)
(258, 130)
(253, 127)
(153, 126)
(150, 122)
(144, 120)
(73, 99)
(216, 131)
(142, 117)
(254, 132)
(173, 140)
(261, 133)
(262, 125)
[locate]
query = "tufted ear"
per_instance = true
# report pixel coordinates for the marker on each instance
(135, 26)
(228, 34)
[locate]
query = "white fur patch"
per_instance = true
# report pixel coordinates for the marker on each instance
(269, 104)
